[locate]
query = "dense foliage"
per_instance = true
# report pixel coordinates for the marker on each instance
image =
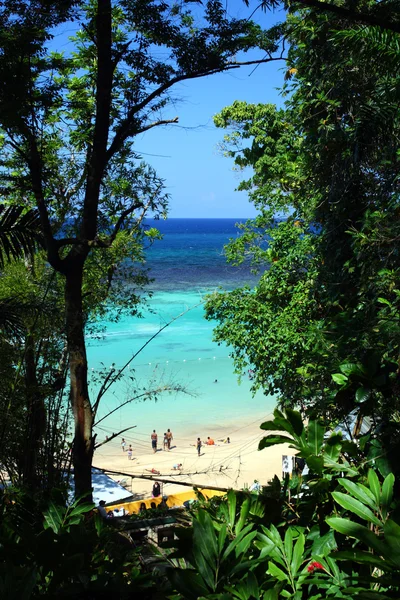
(326, 185)
(68, 122)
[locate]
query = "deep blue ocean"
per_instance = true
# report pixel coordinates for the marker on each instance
(186, 264)
(190, 255)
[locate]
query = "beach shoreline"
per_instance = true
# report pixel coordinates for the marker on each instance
(234, 465)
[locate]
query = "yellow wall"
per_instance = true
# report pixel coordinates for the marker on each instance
(173, 500)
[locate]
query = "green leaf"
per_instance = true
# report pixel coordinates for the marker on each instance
(350, 368)
(294, 417)
(288, 544)
(363, 557)
(374, 485)
(362, 395)
(360, 492)
(322, 545)
(387, 492)
(237, 541)
(298, 552)
(188, 583)
(359, 532)
(222, 538)
(273, 440)
(231, 499)
(81, 509)
(339, 378)
(392, 539)
(244, 513)
(316, 433)
(356, 507)
(276, 572)
(54, 517)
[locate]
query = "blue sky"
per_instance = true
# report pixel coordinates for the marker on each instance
(200, 181)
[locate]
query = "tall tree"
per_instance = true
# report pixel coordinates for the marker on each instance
(68, 122)
(321, 327)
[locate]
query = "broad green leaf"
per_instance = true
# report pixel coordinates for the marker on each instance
(356, 507)
(360, 492)
(350, 368)
(204, 537)
(298, 552)
(288, 544)
(339, 378)
(362, 394)
(387, 492)
(315, 463)
(363, 557)
(315, 436)
(276, 572)
(231, 499)
(244, 544)
(374, 485)
(273, 440)
(81, 509)
(294, 417)
(221, 538)
(244, 513)
(322, 545)
(392, 539)
(54, 517)
(272, 426)
(188, 583)
(359, 532)
(236, 541)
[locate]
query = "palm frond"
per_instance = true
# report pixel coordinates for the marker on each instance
(19, 232)
(377, 43)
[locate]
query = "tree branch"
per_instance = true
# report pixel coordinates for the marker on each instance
(114, 435)
(351, 15)
(104, 83)
(105, 388)
(124, 130)
(159, 390)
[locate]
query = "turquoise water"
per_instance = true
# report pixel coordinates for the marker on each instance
(186, 264)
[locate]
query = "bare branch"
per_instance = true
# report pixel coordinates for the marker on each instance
(198, 486)
(114, 435)
(148, 393)
(124, 130)
(105, 388)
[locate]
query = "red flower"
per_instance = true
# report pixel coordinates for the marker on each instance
(314, 566)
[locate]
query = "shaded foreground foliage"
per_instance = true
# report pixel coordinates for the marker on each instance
(331, 533)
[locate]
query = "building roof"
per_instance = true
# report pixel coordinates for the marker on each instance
(104, 488)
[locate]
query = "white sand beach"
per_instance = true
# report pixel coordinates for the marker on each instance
(234, 465)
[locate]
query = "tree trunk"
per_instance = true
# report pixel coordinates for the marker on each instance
(83, 445)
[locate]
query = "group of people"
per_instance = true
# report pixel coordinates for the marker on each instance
(168, 437)
(209, 442)
(129, 451)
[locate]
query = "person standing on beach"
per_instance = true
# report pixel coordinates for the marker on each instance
(198, 446)
(123, 444)
(165, 442)
(170, 437)
(130, 452)
(154, 441)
